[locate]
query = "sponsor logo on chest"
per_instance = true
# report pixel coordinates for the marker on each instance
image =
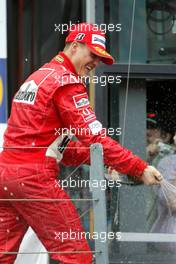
(27, 93)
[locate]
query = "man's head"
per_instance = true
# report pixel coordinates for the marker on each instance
(153, 129)
(85, 46)
(158, 129)
(82, 58)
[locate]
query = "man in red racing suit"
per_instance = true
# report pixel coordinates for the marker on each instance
(51, 101)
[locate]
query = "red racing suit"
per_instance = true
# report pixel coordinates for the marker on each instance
(51, 99)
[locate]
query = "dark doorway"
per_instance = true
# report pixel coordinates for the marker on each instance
(161, 100)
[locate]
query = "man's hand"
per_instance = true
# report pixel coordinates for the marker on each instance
(112, 175)
(151, 176)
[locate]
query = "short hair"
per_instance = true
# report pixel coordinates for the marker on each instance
(67, 45)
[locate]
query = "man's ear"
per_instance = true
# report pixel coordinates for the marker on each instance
(74, 47)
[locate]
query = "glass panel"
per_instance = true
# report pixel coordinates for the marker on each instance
(161, 153)
(75, 181)
(141, 213)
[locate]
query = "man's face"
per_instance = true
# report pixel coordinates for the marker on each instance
(83, 59)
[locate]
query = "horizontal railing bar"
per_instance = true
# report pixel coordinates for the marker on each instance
(45, 200)
(147, 237)
(52, 252)
(37, 147)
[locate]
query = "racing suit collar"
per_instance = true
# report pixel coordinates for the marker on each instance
(65, 61)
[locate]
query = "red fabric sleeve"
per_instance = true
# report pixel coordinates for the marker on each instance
(76, 114)
(75, 154)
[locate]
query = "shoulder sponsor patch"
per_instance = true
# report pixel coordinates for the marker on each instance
(27, 93)
(81, 100)
(95, 127)
(59, 58)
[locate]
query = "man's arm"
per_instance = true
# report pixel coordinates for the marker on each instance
(76, 113)
(76, 154)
